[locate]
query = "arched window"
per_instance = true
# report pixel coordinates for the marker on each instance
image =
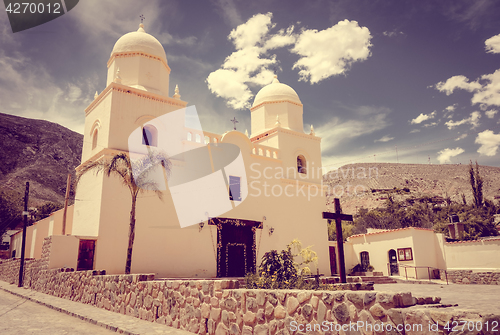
(198, 138)
(207, 140)
(189, 136)
(301, 164)
(149, 135)
(94, 139)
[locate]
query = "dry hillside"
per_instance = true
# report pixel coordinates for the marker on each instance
(40, 152)
(354, 183)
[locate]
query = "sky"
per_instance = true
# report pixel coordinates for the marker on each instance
(380, 81)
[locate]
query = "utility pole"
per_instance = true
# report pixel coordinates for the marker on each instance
(68, 185)
(25, 214)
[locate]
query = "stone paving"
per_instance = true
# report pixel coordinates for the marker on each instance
(110, 321)
(481, 298)
(21, 316)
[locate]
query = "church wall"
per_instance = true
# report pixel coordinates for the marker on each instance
(141, 72)
(264, 117)
(99, 119)
(169, 251)
(63, 252)
(126, 112)
(291, 146)
(163, 248)
(114, 218)
(88, 206)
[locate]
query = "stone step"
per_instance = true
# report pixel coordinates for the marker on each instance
(378, 279)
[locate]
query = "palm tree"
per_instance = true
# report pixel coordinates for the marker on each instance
(136, 175)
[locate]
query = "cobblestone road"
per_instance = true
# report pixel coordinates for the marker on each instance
(21, 316)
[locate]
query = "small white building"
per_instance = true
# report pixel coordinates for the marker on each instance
(418, 253)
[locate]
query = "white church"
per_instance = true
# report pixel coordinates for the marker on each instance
(202, 227)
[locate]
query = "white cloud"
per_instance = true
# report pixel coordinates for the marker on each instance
(392, 33)
(489, 142)
(460, 82)
(451, 108)
(423, 117)
(335, 131)
(493, 44)
(252, 32)
(249, 64)
(34, 93)
(415, 131)
(461, 137)
(331, 51)
(281, 39)
(229, 12)
(445, 155)
(489, 93)
(491, 113)
(473, 120)
(385, 138)
(432, 124)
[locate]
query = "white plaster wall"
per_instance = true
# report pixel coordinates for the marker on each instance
(378, 246)
(264, 117)
(161, 246)
(427, 252)
(473, 255)
(64, 251)
(36, 233)
(141, 72)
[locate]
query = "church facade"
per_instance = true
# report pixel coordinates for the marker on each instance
(273, 190)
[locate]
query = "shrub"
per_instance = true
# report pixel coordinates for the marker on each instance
(281, 271)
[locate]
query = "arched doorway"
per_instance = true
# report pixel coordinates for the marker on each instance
(393, 263)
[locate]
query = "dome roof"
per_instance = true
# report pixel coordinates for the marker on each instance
(276, 91)
(139, 41)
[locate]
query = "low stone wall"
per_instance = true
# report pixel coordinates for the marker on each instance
(220, 307)
(471, 277)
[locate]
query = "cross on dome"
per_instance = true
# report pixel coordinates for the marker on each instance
(234, 121)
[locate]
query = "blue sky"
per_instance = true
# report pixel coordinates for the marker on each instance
(380, 81)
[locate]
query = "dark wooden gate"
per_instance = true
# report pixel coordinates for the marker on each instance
(365, 261)
(236, 246)
(86, 255)
(333, 261)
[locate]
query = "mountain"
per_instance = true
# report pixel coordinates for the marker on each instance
(368, 184)
(40, 152)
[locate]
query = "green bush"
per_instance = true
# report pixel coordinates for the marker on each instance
(281, 271)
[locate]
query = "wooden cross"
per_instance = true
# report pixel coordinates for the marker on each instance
(339, 217)
(142, 18)
(234, 121)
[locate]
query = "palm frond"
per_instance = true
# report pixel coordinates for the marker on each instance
(96, 167)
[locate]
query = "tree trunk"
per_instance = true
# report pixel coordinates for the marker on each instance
(131, 236)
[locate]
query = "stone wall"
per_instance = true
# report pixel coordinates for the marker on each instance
(471, 277)
(220, 307)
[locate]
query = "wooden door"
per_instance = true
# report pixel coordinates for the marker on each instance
(86, 255)
(393, 263)
(365, 261)
(236, 255)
